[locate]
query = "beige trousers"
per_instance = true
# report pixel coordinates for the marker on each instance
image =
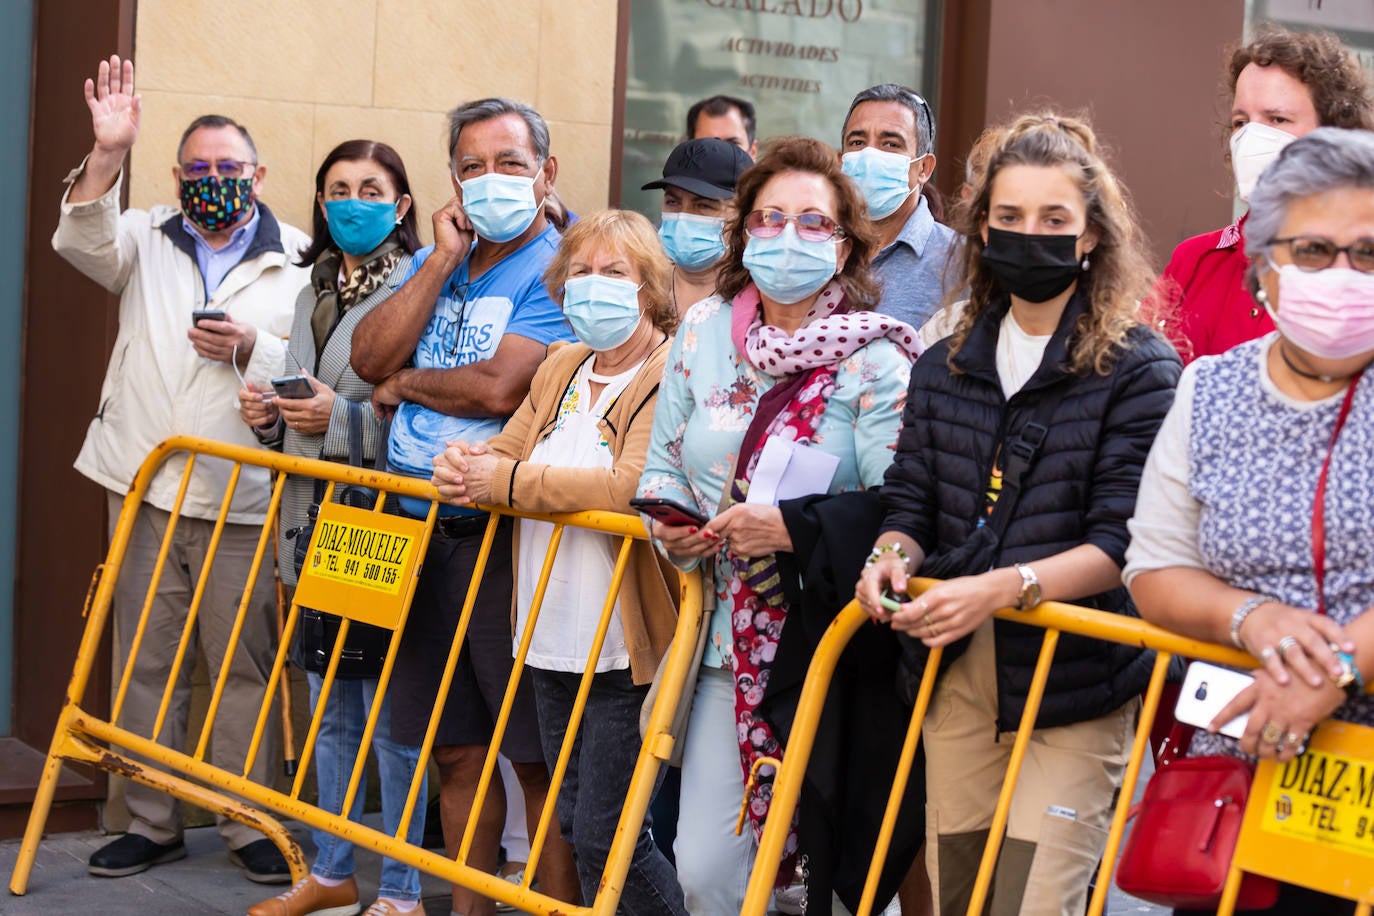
(1060, 811)
(155, 815)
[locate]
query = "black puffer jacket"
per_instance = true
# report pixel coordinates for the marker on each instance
(1081, 490)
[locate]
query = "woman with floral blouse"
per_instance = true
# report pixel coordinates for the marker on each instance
(787, 360)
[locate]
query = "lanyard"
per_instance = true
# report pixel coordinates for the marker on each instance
(1319, 500)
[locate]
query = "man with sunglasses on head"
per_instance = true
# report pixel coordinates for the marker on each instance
(888, 148)
(172, 372)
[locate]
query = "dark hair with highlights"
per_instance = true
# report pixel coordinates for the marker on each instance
(1319, 61)
(803, 154)
(353, 151)
(1121, 273)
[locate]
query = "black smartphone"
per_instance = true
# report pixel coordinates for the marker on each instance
(668, 511)
(199, 315)
(293, 386)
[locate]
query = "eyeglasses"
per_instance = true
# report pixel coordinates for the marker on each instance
(224, 168)
(811, 227)
(1313, 253)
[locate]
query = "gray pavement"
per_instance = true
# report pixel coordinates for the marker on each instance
(206, 883)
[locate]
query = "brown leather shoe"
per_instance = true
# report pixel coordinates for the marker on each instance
(308, 896)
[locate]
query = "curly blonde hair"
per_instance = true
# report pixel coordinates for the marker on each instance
(636, 238)
(1121, 274)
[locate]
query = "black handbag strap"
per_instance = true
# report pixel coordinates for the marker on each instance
(355, 445)
(1018, 455)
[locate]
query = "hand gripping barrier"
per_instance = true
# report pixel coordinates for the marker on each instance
(82, 737)
(1333, 869)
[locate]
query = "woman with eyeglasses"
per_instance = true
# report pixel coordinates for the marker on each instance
(364, 234)
(1021, 448)
(1281, 85)
(1255, 523)
(785, 365)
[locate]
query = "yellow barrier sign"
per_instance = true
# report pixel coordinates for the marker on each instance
(1324, 797)
(359, 563)
(1311, 821)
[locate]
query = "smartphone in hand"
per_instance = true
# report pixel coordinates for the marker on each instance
(293, 387)
(199, 315)
(1206, 689)
(669, 512)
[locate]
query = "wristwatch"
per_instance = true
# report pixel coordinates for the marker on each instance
(1029, 596)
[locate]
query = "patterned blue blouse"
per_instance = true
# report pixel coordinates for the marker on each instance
(707, 400)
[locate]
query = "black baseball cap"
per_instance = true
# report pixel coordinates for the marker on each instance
(706, 167)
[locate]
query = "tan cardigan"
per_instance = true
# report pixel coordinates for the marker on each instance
(648, 604)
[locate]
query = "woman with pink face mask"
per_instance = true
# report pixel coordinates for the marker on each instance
(1282, 85)
(1255, 517)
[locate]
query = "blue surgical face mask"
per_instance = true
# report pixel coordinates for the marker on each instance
(787, 268)
(500, 206)
(603, 311)
(692, 242)
(884, 178)
(359, 226)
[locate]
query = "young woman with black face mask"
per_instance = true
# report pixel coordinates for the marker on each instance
(1048, 361)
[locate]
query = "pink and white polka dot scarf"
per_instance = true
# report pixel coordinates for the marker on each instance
(829, 333)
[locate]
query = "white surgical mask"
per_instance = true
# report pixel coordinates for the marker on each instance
(500, 207)
(1253, 147)
(883, 177)
(603, 311)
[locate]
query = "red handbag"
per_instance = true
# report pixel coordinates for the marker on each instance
(1185, 833)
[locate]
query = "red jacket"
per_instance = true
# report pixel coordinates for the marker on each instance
(1216, 311)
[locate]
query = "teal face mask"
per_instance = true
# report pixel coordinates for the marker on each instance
(603, 311)
(692, 242)
(359, 226)
(787, 268)
(884, 178)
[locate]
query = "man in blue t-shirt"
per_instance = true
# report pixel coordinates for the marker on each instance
(452, 353)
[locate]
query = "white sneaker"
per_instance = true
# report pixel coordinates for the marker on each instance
(791, 899)
(516, 878)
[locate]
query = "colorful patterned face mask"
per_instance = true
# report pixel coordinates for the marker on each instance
(214, 203)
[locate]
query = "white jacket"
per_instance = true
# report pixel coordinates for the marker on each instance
(156, 385)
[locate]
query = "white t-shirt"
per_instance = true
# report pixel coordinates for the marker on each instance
(581, 574)
(1018, 355)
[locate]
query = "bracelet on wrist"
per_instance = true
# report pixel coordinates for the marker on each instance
(1246, 608)
(878, 552)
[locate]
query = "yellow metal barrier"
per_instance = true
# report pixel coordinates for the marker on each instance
(1347, 872)
(82, 737)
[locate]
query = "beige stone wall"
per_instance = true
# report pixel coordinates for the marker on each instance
(304, 75)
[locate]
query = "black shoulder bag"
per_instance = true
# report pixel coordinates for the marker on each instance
(979, 550)
(365, 649)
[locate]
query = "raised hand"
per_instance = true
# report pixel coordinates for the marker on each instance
(115, 107)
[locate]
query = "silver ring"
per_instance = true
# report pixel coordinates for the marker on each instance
(1285, 644)
(1292, 739)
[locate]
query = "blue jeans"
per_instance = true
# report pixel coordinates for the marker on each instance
(594, 786)
(336, 749)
